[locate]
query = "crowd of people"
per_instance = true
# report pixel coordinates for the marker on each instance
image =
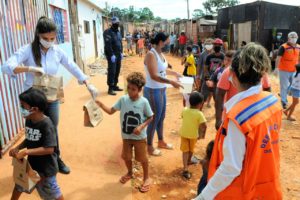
(242, 162)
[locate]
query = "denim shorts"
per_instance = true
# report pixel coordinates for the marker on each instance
(47, 188)
(295, 93)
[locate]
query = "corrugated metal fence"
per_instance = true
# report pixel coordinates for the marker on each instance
(17, 23)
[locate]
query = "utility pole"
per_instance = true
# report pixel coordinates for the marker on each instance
(188, 8)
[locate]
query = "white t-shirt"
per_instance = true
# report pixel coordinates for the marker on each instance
(162, 66)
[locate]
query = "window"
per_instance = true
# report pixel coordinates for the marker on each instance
(86, 26)
(60, 18)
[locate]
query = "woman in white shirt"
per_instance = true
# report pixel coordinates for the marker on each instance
(43, 57)
(156, 68)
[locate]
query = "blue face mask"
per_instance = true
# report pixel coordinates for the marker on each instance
(278, 37)
(25, 113)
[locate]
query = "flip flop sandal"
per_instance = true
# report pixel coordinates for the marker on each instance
(125, 179)
(144, 188)
(166, 146)
(156, 152)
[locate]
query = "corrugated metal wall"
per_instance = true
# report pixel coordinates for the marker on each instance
(17, 23)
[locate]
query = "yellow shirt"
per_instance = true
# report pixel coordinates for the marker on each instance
(191, 70)
(191, 119)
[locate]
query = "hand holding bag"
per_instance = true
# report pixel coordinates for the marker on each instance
(92, 114)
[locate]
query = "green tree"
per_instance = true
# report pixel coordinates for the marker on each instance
(198, 13)
(212, 6)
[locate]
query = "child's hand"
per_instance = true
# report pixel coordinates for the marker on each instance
(137, 130)
(21, 154)
(99, 103)
(13, 152)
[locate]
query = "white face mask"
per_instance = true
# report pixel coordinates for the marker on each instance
(25, 113)
(293, 40)
(46, 44)
(209, 47)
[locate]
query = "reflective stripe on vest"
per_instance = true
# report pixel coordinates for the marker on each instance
(255, 108)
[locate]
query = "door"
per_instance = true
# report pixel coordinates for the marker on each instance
(95, 39)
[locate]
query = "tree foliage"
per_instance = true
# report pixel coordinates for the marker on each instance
(131, 14)
(212, 6)
(198, 13)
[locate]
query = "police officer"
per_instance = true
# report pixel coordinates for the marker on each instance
(113, 51)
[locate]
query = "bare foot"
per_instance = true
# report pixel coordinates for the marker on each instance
(291, 119)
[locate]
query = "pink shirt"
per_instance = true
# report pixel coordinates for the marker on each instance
(225, 84)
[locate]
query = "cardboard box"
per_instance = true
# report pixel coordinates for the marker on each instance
(24, 175)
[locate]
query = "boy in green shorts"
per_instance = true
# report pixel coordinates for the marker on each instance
(193, 128)
(135, 115)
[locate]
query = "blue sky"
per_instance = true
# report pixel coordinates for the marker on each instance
(170, 9)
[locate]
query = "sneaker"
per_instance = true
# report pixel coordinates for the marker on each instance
(116, 88)
(62, 167)
(111, 92)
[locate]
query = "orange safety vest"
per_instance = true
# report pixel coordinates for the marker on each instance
(290, 58)
(259, 119)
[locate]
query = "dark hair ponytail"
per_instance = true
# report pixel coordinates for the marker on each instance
(44, 25)
(159, 37)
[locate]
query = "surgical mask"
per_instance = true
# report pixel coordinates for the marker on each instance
(278, 37)
(25, 112)
(293, 40)
(208, 47)
(46, 44)
(194, 51)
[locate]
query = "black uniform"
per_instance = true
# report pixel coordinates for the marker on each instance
(113, 46)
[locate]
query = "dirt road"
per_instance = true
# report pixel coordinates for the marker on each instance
(94, 153)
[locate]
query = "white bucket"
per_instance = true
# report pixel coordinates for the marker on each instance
(187, 83)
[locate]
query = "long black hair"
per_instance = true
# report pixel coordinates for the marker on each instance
(44, 25)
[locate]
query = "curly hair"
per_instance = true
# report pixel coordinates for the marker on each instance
(250, 64)
(136, 78)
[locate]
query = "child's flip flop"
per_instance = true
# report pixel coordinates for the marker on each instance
(145, 187)
(124, 179)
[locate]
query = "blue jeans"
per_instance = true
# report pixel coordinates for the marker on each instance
(52, 112)
(47, 188)
(285, 82)
(158, 102)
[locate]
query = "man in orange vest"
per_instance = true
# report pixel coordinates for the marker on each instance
(245, 161)
(287, 59)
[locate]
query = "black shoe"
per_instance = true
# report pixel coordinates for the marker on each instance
(111, 92)
(117, 89)
(62, 167)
